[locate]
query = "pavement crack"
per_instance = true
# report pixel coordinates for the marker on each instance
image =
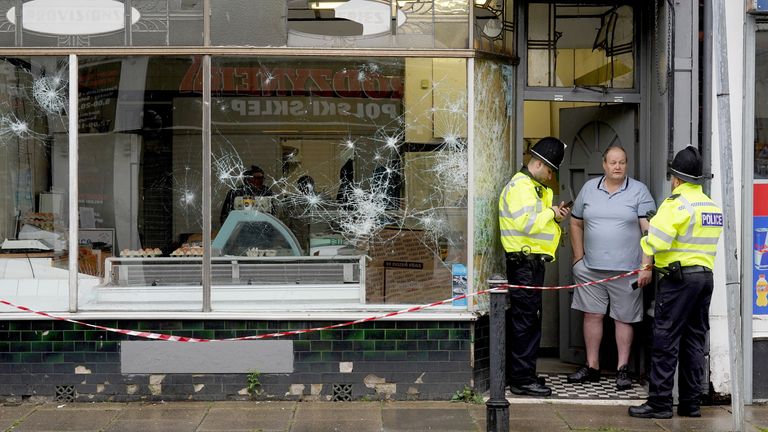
(560, 416)
(202, 419)
(23, 418)
(292, 420)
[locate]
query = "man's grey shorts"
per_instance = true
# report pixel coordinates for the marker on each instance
(626, 303)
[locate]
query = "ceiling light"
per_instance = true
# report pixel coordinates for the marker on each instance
(325, 4)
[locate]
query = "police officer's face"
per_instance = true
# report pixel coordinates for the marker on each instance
(615, 164)
(544, 172)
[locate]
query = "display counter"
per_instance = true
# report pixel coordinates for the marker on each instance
(237, 284)
(300, 270)
(254, 233)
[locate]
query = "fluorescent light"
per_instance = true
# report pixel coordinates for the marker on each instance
(325, 4)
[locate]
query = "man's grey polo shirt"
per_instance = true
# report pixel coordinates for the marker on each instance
(611, 225)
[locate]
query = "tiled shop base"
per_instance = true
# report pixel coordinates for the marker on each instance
(604, 389)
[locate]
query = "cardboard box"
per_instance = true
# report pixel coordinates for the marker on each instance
(405, 269)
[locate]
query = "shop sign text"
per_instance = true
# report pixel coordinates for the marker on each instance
(73, 17)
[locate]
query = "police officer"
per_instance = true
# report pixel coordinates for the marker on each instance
(529, 234)
(683, 238)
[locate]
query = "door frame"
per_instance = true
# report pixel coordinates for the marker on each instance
(639, 95)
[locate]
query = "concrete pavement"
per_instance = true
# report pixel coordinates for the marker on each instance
(349, 416)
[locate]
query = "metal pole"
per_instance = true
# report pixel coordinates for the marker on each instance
(206, 270)
(732, 283)
(497, 407)
(73, 128)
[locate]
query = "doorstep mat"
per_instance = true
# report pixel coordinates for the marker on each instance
(605, 389)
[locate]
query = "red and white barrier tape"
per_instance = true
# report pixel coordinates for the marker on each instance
(161, 336)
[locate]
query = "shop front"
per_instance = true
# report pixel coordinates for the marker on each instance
(160, 174)
(227, 170)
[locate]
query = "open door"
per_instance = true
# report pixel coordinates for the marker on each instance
(587, 132)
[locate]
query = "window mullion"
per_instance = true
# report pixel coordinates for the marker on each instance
(73, 182)
(206, 270)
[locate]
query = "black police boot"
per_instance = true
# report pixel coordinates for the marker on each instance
(584, 374)
(532, 389)
(647, 411)
(689, 410)
(623, 382)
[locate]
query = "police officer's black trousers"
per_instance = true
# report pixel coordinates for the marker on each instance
(523, 319)
(680, 328)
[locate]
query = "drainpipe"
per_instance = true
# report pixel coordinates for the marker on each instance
(732, 281)
(706, 96)
(671, 83)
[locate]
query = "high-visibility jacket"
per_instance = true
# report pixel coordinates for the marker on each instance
(686, 228)
(526, 219)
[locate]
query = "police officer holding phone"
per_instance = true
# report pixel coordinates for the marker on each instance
(682, 238)
(529, 233)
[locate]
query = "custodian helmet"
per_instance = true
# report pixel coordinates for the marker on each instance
(549, 150)
(687, 165)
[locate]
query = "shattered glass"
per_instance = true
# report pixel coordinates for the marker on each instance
(341, 166)
(34, 180)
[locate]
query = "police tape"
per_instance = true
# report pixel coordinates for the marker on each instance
(167, 337)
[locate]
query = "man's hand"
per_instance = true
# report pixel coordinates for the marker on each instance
(561, 211)
(644, 278)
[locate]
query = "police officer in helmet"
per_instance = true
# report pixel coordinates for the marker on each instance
(529, 233)
(682, 238)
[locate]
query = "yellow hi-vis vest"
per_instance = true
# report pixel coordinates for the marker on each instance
(686, 228)
(526, 219)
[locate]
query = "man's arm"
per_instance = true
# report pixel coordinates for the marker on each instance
(644, 277)
(662, 230)
(577, 239)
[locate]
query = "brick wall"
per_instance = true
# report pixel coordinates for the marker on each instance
(395, 360)
(482, 353)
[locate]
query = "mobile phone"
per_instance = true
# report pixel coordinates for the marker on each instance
(569, 204)
(634, 285)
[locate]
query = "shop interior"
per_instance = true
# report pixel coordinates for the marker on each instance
(358, 157)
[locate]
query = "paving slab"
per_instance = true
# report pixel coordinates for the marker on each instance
(607, 418)
(456, 419)
(266, 419)
(13, 413)
(703, 424)
(68, 420)
(180, 416)
(253, 404)
(756, 415)
(267, 416)
(524, 418)
(338, 417)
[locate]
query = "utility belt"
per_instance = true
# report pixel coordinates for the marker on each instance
(524, 256)
(675, 272)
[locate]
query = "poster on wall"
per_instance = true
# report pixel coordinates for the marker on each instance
(98, 88)
(760, 250)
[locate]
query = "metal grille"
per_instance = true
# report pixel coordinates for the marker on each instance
(342, 392)
(65, 393)
(331, 273)
(236, 271)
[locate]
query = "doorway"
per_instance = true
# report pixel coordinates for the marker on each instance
(587, 129)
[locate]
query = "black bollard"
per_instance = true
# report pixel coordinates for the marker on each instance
(497, 407)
